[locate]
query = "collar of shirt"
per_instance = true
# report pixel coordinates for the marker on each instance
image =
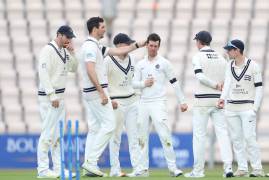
(205, 48)
(153, 60)
(57, 47)
(243, 65)
(93, 39)
(126, 59)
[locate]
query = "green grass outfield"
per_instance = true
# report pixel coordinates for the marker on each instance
(214, 174)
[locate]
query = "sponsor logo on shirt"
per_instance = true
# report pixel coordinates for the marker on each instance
(247, 78)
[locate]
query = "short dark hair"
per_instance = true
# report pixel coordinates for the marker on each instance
(94, 22)
(204, 37)
(154, 37)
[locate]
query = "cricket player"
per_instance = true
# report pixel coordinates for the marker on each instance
(242, 94)
(151, 75)
(209, 69)
(120, 71)
(55, 61)
(101, 119)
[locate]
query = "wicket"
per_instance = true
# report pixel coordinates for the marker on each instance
(69, 149)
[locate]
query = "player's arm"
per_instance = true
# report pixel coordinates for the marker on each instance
(226, 87)
(138, 82)
(201, 76)
(44, 65)
(107, 62)
(73, 62)
(258, 87)
(126, 49)
(90, 59)
(170, 75)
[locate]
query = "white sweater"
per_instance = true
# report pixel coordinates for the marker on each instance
(243, 86)
(53, 66)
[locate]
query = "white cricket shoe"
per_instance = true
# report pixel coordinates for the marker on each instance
(92, 171)
(257, 173)
(241, 173)
(176, 173)
(142, 173)
(66, 173)
(117, 174)
(193, 174)
(228, 172)
(49, 174)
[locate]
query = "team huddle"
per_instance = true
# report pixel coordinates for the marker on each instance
(118, 93)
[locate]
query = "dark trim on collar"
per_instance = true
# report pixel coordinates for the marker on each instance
(103, 50)
(59, 54)
(238, 78)
(122, 68)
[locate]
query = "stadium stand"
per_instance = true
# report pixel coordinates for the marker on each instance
(27, 25)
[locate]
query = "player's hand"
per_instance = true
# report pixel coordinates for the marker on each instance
(183, 107)
(55, 103)
(141, 43)
(219, 86)
(114, 104)
(104, 98)
(149, 82)
(70, 48)
(220, 104)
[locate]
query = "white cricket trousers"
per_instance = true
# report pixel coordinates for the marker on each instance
(242, 126)
(157, 110)
(125, 115)
(50, 134)
(201, 116)
(101, 123)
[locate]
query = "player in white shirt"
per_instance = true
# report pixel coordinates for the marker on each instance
(100, 115)
(55, 61)
(209, 68)
(243, 95)
(120, 71)
(151, 75)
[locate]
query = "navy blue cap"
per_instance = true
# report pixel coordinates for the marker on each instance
(122, 38)
(203, 36)
(66, 30)
(235, 44)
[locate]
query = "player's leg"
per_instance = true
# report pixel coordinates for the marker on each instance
(131, 129)
(221, 130)
(55, 147)
(93, 128)
(158, 113)
(50, 117)
(143, 133)
(105, 116)
(199, 125)
(254, 153)
(114, 144)
(236, 132)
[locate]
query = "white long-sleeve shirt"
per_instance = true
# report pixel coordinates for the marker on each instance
(161, 70)
(209, 68)
(243, 86)
(53, 67)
